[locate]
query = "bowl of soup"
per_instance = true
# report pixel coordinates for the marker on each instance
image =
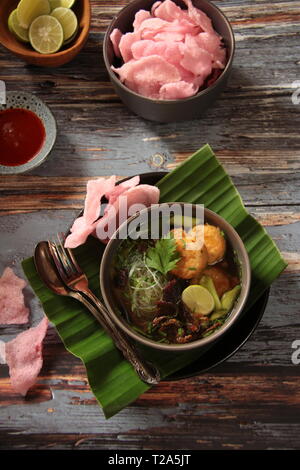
(175, 280)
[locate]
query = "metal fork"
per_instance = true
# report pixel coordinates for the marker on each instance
(75, 279)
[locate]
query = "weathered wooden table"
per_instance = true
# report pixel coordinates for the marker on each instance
(252, 401)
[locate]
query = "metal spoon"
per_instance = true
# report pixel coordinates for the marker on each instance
(48, 273)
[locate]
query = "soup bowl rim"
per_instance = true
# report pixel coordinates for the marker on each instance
(243, 260)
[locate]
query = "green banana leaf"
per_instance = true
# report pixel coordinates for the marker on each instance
(200, 179)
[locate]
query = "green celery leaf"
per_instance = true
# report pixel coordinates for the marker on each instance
(163, 256)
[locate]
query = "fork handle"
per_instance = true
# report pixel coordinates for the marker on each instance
(146, 371)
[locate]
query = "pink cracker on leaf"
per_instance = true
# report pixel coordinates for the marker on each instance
(80, 231)
(142, 195)
(96, 189)
(116, 192)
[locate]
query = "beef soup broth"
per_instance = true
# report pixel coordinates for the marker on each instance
(174, 295)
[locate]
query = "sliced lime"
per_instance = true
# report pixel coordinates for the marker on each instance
(198, 299)
(15, 28)
(67, 19)
(46, 34)
(61, 3)
(71, 38)
(28, 10)
(208, 283)
(184, 221)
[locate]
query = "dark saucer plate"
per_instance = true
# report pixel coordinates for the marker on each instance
(234, 339)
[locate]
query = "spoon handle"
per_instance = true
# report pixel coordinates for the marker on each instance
(146, 371)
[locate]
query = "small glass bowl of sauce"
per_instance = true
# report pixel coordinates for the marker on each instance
(27, 133)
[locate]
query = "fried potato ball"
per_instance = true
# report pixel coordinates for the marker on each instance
(196, 235)
(215, 243)
(192, 261)
(220, 279)
(180, 238)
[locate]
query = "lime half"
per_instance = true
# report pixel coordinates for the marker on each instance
(28, 10)
(71, 38)
(46, 34)
(67, 19)
(15, 28)
(198, 299)
(61, 3)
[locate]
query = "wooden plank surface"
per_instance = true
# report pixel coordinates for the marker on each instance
(251, 401)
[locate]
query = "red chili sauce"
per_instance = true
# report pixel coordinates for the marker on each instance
(22, 135)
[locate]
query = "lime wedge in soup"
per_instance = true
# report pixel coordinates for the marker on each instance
(198, 299)
(16, 29)
(67, 19)
(46, 34)
(208, 283)
(28, 10)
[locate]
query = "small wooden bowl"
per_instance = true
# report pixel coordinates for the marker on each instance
(82, 10)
